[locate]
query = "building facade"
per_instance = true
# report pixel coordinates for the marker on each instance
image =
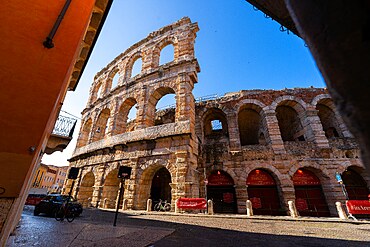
(49, 177)
(268, 146)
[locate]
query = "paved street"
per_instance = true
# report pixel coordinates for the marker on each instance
(94, 228)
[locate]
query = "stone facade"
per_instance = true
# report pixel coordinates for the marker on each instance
(280, 132)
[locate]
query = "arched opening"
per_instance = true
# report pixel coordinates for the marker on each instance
(215, 124)
(123, 122)
(86, 189)
(165, 110)
(137, 67)
(115, 80)
(99, 92)
(250, 123)
(355, 185)
(155, 115)
(85, 132)
(263, 193)
(220, 189)
(110, 190)
(310, 199)
(167, 54)
(328, 120)
(290, 125)
(101, 125)
(131, 118)
(161, 188)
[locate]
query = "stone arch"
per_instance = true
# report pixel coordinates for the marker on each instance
(252, 124)
(312, 193)
(84, 133)
(264, 191)
(291, 116)
(130, 63)
(155, 96)
(86, 189)
(97, 91)
(161, 45)
(121, 117)
(329, 118)
(100, 127)
(145, 176)
(110, 189)
(221, 190)
(356, 181)
(112, 74)
(214, 114)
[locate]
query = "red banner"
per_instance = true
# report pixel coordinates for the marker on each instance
(358, 206)
(192, 203)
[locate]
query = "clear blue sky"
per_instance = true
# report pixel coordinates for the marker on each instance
(237, 48)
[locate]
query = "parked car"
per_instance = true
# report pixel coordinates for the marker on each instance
(49, 204)
(34, 199)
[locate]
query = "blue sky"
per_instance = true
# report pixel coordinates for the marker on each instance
(237, 48)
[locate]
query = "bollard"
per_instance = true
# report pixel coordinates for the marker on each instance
(105, 202)
(342, 214)
(292, 209)
(176, 208)
(124, 204)
(89, 204)
(249, 208)
(149, 205)
(210, 207)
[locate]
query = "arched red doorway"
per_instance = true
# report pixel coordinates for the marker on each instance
(221, 191)
(161, 188)
(263, 193)
(310, 199)
(355, 185)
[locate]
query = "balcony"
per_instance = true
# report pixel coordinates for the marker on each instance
(61, 135)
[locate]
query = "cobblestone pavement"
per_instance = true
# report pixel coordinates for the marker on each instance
(94, 228)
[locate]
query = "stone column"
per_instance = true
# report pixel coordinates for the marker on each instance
(274, 135)
(98, 187)
(241, 197)
(234, 137)
(313, 127)
(141, 115)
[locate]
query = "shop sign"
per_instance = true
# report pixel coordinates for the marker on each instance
(358, 206)
(228, 197)
(301, 204)
(219, 180)
(260, 177)
(304, 177)
(192, 203)
(256, 202)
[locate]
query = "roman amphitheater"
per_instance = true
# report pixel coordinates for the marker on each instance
(268, 146)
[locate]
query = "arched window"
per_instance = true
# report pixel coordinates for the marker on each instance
(166, 55)
(99, 92)
(101, 125)
(165, 110)
(215, 123)
(137, 67)
(290, 125)
(250, 123)
(85, 132)
(115, 80)
(125, 117)
(157, 115)
(328, 120)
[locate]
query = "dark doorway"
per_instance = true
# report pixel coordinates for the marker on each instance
(310, 199)
(355, 185)
(263, 193)
(221, 191)
(161, 188)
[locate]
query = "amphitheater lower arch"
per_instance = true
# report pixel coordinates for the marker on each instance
(110, 190)
(121, 118)
(86, 189)
(145, 180)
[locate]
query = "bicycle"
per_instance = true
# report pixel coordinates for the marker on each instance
(162, 206)
(66, 210)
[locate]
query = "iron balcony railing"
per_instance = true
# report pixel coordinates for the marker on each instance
(64, 126)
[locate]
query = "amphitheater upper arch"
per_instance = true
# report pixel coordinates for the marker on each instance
(130, 62)
(289, 100)
(164, 42)
(251, 104)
